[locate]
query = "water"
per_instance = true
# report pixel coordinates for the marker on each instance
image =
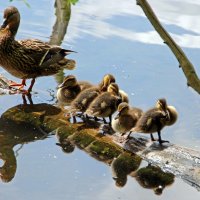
(110, 37)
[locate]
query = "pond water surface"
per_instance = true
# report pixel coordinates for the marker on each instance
(110, 37)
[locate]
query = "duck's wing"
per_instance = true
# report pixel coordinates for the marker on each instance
(150, 121)
(42, 52)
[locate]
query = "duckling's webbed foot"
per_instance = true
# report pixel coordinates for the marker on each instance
(152, 138)
(160, 139)
(163, 141)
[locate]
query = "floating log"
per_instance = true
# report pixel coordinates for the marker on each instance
(172, 159)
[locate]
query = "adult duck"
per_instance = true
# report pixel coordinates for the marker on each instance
(31, 58)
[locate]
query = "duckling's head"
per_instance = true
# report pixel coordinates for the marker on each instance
(161, 104)
(69, 81)
(12, 19)
(107, 80)
(113, 89)
(123, 107)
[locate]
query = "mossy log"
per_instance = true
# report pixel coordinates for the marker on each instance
(184, 62)
(173, 159)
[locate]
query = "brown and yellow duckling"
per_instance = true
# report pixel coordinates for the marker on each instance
(31, 58)
(84, 98)
(106, 103)
(70, 88)
(126, 118)
(155, 119)
(109, 78)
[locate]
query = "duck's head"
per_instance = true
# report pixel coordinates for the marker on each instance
(113, 89)
(69, 81)
(161, 104)
(107, 80)
(122, 109)
(12, 19)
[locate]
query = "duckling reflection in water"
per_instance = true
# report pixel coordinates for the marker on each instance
(155, 119)
(69, 89)
(106, 103)
(84, 98)
(154, 178)
(126, 118)
(31, 58)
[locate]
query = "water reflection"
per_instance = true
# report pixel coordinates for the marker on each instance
(13, 133)
(94, 18)
(63, 14)
(154, 178)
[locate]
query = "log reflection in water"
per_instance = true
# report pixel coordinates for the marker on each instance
(27, 123)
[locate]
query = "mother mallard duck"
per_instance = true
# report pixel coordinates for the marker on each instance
(31, 58)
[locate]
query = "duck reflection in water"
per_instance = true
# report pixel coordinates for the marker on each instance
(18, 128)
(154, 178)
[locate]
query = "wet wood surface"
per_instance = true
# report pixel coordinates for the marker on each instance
(181, 161)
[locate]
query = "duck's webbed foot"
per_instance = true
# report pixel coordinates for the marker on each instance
(152, 138)
(19, 86)
(160, 140)
(163, 141)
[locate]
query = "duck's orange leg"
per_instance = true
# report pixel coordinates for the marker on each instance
(19, 85)
(31, 86)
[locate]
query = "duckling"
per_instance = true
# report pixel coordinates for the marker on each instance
(109, 78)
(126, 118)
(31, 58)
(155, 119)
(124, 96)
(70, 88)
(84, 98)
(106, 103)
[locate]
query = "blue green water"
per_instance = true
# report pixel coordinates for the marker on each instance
(110, 37)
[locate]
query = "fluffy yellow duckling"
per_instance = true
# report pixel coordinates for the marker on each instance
(106, 103)
(126, 118)
(83, 100)
(69, 89)
(109, 78)
(155, 119)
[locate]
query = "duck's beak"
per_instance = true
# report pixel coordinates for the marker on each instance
(61, 85)
(167, 115)
(117, 116)
(4, 24)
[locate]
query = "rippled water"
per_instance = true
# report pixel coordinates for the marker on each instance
(110, 37)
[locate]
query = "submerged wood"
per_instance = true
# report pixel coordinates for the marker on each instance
(180, 161)
(184, 62)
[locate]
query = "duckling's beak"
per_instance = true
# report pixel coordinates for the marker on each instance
(117, 116)
(4, 24)
(167, 115)
(61, 85)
